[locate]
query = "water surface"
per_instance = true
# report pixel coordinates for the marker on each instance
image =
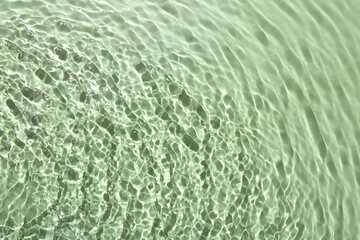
(179, 120)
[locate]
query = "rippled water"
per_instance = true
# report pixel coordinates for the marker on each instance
(179, 119)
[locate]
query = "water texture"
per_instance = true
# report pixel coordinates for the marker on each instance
(179, 119)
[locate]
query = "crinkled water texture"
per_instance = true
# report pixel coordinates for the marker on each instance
(179, 119)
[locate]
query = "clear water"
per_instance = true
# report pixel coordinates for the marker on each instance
(179, 119)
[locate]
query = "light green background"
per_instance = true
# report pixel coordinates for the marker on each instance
(179, 119)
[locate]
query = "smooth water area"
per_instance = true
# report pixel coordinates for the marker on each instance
(179, 119)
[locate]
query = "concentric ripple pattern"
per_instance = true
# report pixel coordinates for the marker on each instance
(179, 119)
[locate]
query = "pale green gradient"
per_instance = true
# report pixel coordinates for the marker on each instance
(179, 119)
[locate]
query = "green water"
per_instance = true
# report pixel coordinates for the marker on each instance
(179, 119)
